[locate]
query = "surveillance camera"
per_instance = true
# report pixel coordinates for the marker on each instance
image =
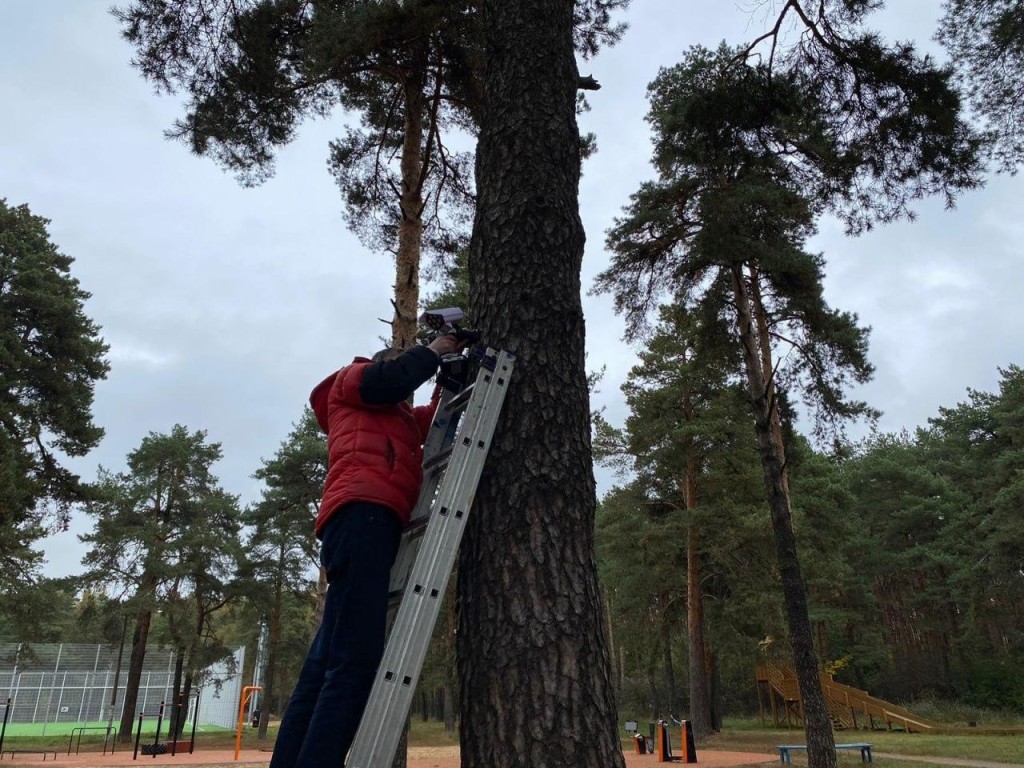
(439, 318)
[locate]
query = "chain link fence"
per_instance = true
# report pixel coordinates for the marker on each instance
(69, 684)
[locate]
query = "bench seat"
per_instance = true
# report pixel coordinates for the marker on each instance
(787, 759)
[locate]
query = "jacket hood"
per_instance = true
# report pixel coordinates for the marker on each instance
(318, 400)
(321, 392)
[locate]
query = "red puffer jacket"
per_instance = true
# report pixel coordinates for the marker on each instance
(375, 452)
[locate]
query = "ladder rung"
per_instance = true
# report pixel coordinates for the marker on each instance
(458, 402)
(438, 459)
(415, 527)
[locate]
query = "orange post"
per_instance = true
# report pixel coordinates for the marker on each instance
(689, 750)
(246, 693)
(664, 747)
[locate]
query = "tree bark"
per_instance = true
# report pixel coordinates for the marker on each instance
(134, 678)
(700, 695)
(536, 678)
(175, 702)
(817, 724)
(616, 666)
(273, 645)
(410, 227)
(186, 695)
(668, 668)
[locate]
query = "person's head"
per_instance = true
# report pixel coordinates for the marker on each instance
(388, 353)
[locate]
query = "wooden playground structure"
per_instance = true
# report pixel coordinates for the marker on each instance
(779, 695)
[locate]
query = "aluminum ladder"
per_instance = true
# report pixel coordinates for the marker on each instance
(453, 458)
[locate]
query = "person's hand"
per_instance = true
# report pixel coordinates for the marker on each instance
(446, 345)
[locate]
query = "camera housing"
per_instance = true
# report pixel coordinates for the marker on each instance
(441, 319)
(456, 370)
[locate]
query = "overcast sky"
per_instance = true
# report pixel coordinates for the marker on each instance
(223, 305)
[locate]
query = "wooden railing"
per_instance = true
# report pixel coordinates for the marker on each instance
(857, 702)
(850, 706)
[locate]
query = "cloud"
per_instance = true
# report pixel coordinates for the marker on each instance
(223, 305)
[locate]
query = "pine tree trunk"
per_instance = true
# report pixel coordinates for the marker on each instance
(186, 697)
(134, 678)
(410, 228)
(668, 668)
(175, 702)
(536, 677)
(273, 645)
(817, 724)
(451, 677)
(616, 666)
(700, 696)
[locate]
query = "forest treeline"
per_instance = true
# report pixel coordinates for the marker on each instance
(911, 542)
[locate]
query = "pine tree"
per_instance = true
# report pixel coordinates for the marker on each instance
(877, 125)
(281, 545)
(253, 70)
(162, 522)
(985, 40)
(51, 356)
(684, 416)
(723, 228)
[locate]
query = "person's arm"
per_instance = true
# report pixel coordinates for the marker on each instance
(392, 381)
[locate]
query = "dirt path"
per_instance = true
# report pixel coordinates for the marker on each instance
(419, 757)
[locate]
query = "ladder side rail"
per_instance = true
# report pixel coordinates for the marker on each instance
(410, 637)
(439, 439)
(395, 681)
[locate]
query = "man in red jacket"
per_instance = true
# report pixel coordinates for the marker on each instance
(374, 471)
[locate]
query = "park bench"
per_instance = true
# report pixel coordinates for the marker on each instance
(787, 759)
(43, 752)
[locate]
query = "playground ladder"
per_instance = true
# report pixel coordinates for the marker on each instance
(453, 458)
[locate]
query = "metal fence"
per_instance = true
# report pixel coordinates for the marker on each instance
(73, 683)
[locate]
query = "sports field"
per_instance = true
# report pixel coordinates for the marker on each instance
(17, 730)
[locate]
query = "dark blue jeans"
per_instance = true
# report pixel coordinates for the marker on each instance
(359, 546)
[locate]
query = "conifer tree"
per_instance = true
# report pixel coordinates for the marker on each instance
(985, 40)
(685, 414)
(281, 546)
(156, 524)
(253, 70)
(724, 229)
(51, 356)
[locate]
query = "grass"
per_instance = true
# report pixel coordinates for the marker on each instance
(18, 730)
(751, 737)
(739, 735)
(30, 736)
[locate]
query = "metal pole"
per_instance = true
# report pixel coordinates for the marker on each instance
(60, 699)
(257, 671)
(145, 691)
(3, 728)
(195, 719)
(159, 722)
(138, 736)
(39, 693)
(246, 693)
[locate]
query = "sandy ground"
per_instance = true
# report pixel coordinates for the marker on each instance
(419, 757)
